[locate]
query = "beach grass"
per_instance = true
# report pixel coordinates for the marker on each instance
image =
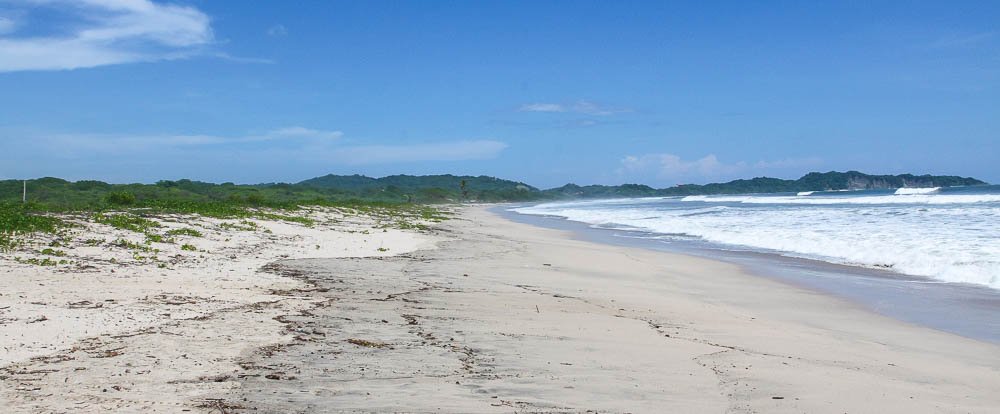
(125, 211)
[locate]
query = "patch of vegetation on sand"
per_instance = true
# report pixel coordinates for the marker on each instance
(45, 261)
(187, 231)
(157, 238)
(139, 208)
(19, 219)
(243, 225)
(131, 245)
(126, 221)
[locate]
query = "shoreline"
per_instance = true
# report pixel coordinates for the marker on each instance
(968, 310)
(508, 317)
(499, 316)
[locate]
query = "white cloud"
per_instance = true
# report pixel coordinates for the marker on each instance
(436, 151)
(295, 144)
(123, 144)
(108, 32)
(542, 107)
(7, 25)
(667, 166)
(578, 107)
(789, 163)
(277, 30)
(672, 168)
(302, 132)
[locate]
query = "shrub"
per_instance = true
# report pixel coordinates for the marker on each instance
(120, 198)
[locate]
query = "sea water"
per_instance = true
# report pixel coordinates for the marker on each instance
(946, 235)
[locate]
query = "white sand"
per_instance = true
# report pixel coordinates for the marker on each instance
(500, 317)
(84, 311)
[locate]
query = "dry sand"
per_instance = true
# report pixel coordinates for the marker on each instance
(499, 317)
(114, 330)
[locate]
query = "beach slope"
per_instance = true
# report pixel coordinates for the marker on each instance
(484, 315)
(507, 317)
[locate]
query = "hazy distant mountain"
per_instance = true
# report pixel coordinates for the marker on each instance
(437, 189)
(833, 180)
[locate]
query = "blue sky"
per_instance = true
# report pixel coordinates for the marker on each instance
(547, 92)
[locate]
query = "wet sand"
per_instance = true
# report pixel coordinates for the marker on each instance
(964, 309)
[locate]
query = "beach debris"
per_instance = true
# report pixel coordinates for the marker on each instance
(219, 405)
(84, 304)
(279, 376)
(366, 343)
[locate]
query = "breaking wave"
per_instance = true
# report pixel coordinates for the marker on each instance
(948, 237)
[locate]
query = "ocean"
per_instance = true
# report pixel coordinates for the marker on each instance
(939, 235)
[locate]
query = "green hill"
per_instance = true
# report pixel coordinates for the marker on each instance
(59, 193)
(437, 188)
(833, 180)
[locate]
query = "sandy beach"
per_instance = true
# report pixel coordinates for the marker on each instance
(478, 314)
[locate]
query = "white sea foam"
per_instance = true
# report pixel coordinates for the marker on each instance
(949, 238)
(910, 191)
(936, 199)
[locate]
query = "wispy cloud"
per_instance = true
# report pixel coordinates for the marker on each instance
(667, 166)
(578, 107)
(277, 30)
(674, 169)
(104, 32)
(542, 107)
(806, 162)
(154, 156)
(303, 132)
(7, 25)
(434, 151)
(961, 40)
(240, 59)
(75, 144)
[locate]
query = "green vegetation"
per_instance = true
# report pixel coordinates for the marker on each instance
(424, 189)
(130, 245)
(52, 252)
(126, 221)
(851, 180)
(230, 200)
(39, 262)
(243, 225)
(189, 247)
(17, 219)
(398, 201)
(156, 238)
(120, 198)
(184, 232)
